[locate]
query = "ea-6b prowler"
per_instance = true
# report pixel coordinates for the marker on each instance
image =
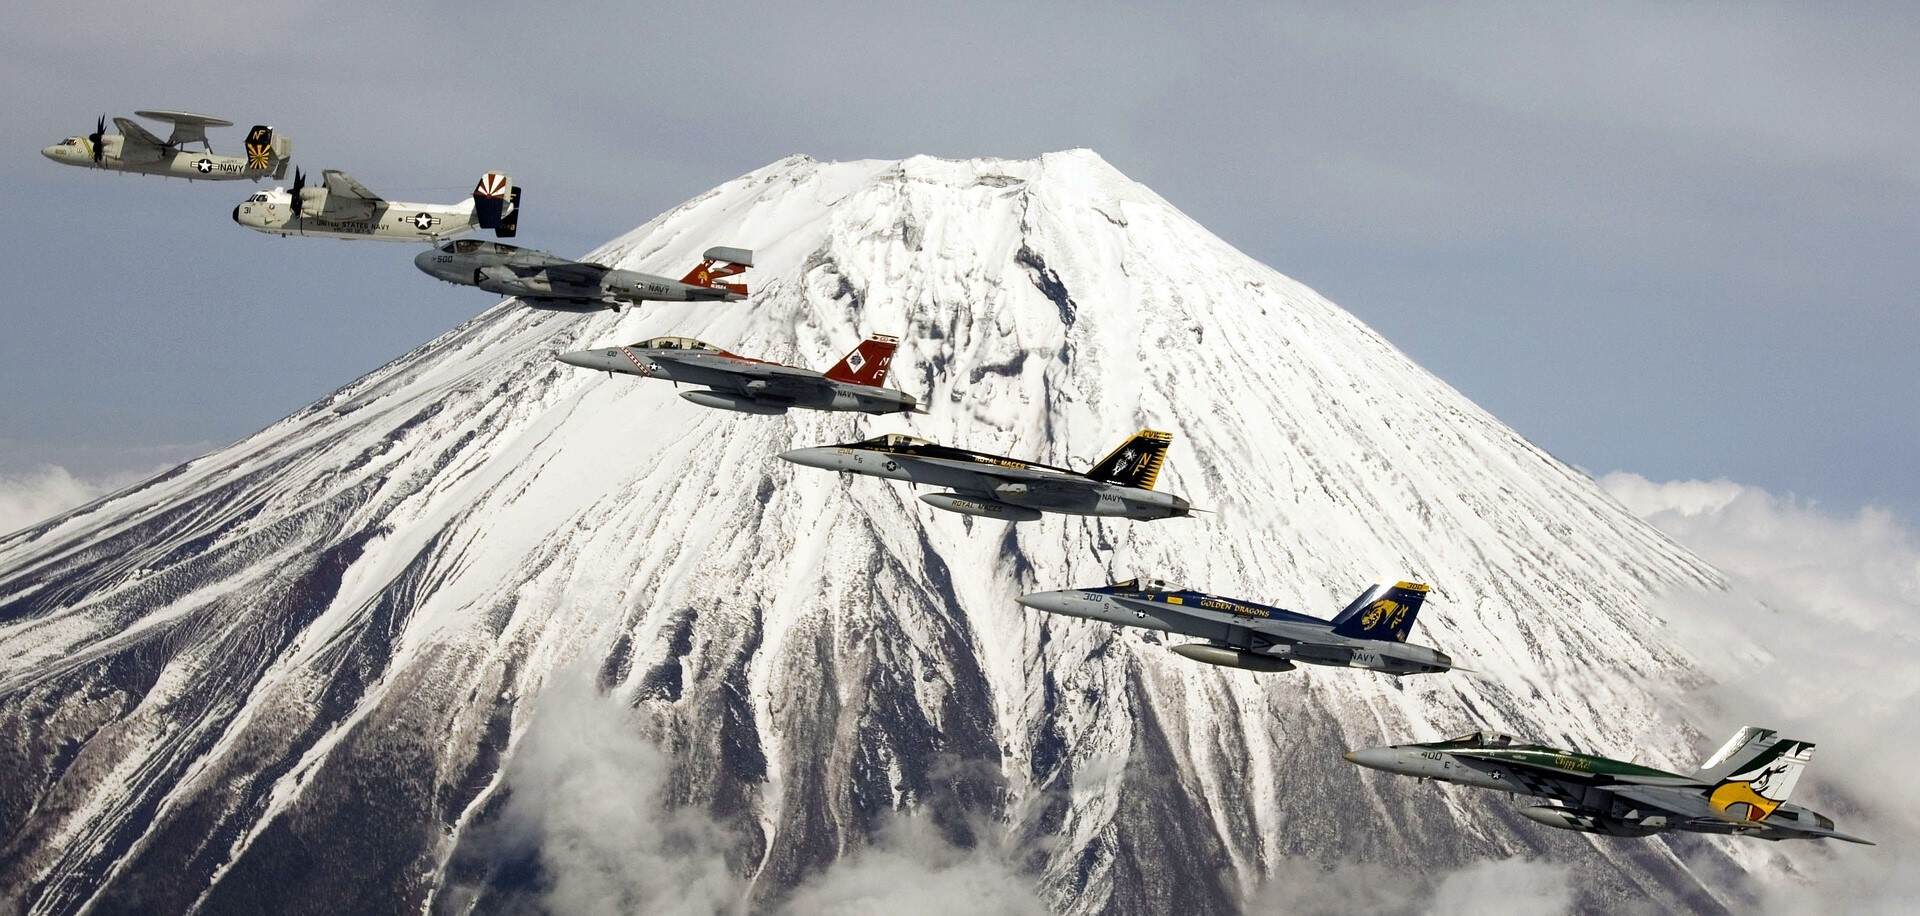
(992, 486)
(747, 385)
(1371, 633)
(135, 149)
(342, 208)
(545, 281)
(1741, 790)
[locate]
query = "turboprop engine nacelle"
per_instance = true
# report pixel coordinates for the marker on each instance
(737, 403)
(312, 200)
(984, 508)
(1232, 658)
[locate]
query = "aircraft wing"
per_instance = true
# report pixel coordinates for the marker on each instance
(748, 371)
(135, 135)
(1687, 803)
(985, 477)
(1011, 473)
(1683, 803)
(576, 273)
(342, 186)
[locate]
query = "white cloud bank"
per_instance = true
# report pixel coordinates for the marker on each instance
(590, 802)
(1489, 887)
(1819, 638)
(37, 495)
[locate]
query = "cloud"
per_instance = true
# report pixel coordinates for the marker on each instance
(1489, 887)
(589, 802)
(1817, 639)
(33, 496)
(911, 868)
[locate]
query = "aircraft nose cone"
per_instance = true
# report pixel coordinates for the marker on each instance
(236, 213)
(51, 152)
(423, 260)
(1375, 758)
(1051, 602)
(811, 457)
(585, 359)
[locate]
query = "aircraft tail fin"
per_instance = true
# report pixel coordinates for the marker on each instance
(1759, 775)
(267, 153)
(1382, 613)
(1137, 462)
(510, 223)
(718, 263)
(493, 201)
(868, 363)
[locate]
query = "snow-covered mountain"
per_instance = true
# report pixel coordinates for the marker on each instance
(285, 676)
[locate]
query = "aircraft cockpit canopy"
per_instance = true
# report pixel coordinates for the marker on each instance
(469, 246)
(1482, 739)
(675, 343)
(895, 440)
(258, 197)
(1144, 585)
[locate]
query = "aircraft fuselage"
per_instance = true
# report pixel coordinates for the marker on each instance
(1276, 633)
(396, 221)
(166, 162)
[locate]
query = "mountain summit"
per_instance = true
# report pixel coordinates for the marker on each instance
(289, 675)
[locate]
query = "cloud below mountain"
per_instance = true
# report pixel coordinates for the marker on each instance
(1816, 639)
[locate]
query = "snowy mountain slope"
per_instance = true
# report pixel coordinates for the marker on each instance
(285, 675)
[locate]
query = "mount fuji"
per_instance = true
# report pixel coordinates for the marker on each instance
(294, 675)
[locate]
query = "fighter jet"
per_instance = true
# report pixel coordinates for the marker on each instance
(544, 281)
(991, 486)
(1741, 790)
(342, 208)
(135, 149)
(1371, 633)
(747, 385)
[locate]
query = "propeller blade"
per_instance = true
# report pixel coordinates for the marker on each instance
(97, 139)
(299, 184)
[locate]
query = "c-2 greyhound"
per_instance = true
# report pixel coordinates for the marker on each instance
(342, 208)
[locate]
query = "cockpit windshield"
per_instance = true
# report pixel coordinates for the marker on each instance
(1481, 739)
(1137, 584)
(895, 440)
(675, 343)
(259, 198)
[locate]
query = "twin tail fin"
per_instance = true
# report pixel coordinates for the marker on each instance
(1382, 613)
(1137, 462)
(868, 363)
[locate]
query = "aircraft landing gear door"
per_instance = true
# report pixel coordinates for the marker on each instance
(1239, 637)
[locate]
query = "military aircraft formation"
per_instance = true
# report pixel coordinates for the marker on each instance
(1741, 790)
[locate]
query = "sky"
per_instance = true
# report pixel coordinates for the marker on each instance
(1674, 240)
